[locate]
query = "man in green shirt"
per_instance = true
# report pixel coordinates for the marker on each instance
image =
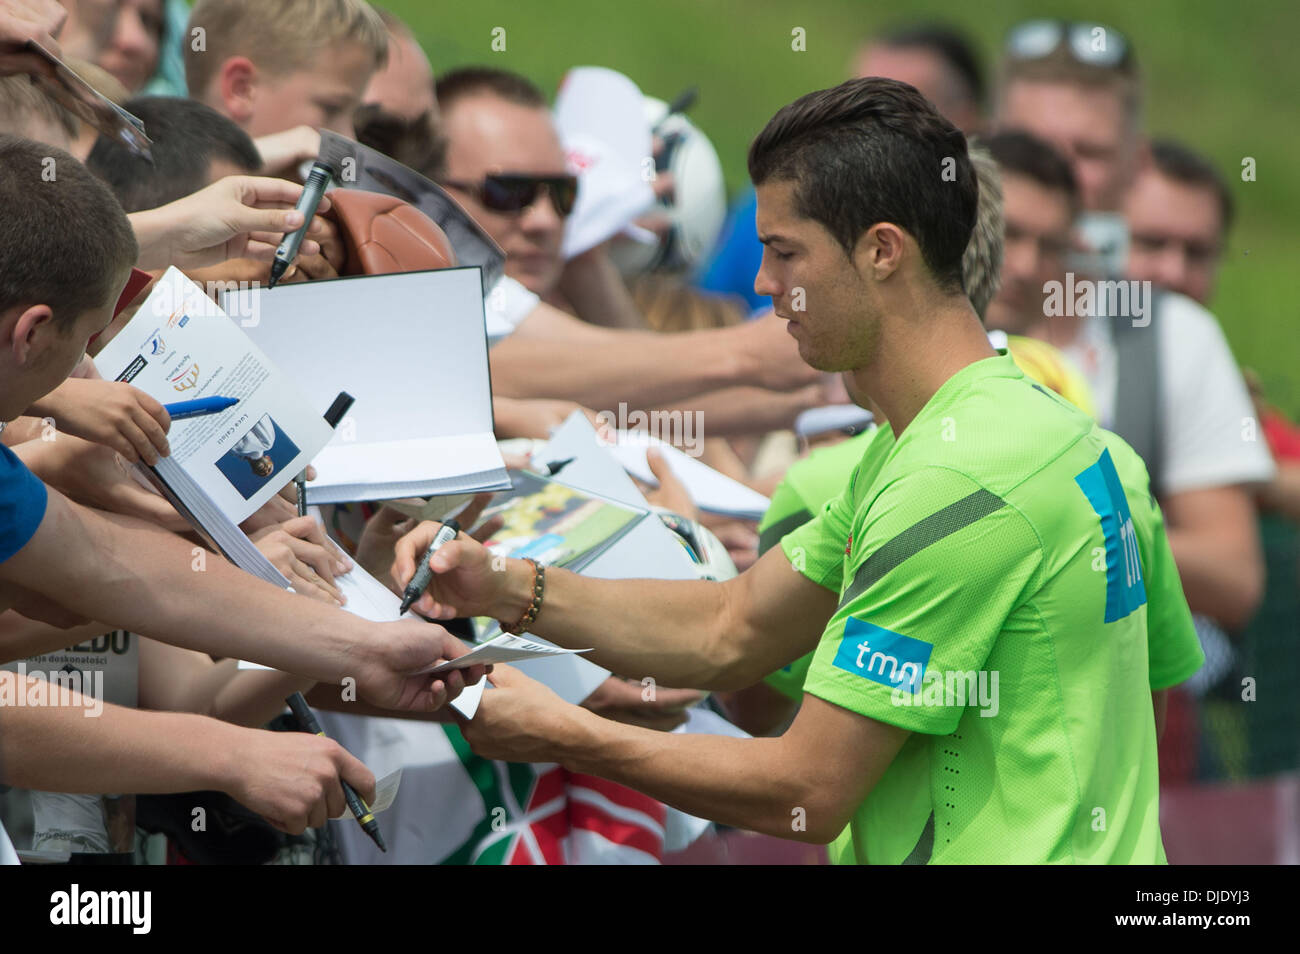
(1002, 554)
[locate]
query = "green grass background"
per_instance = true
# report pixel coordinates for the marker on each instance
(1222, 76)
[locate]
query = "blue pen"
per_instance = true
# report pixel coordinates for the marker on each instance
(197, 408)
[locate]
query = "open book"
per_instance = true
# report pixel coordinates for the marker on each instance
(412, 349)
(225, 466)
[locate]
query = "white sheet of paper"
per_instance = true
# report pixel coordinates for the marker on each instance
(710, 489)
(367, 598)
(503, 649)
(385, 792)
(467, 702)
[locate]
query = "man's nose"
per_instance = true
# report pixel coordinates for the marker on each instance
(130, 33)
(764, 283)
(1171, 267)
(1021, 261)
(344, 126)
(541, 215)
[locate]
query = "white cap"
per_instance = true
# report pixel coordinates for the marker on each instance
(602, 125)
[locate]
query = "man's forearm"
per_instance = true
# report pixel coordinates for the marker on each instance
(135, 576)
(21, 637)
(151, 229)
(1283, 493)
(252, 697)
(1225, 587)
(60, 749)
(745, 783)
(666, 629)
(181, 680)
(741, 411)
(594, 288)
(641, 368)
(688, 634)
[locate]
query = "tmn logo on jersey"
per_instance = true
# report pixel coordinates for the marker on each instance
(886, 657)
(1125, 591)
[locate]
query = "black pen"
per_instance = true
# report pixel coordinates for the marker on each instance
(423, 574)
(360, 810)
(342, 404)
(555, 466)
(312, 192)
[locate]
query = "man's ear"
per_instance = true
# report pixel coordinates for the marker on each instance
(236, 88)
(30, 324)
(879, 252)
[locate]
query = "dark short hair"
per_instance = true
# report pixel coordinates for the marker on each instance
(1024, 154)
(187, 137)
(473, 80)
(419, 143)
(64, 239)
(950, 45)
(1176, 161)
(874, 150)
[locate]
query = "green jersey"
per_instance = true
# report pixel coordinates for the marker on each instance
(993, 602)
(807, 486)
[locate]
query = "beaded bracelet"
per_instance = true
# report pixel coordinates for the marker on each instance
(534, 607)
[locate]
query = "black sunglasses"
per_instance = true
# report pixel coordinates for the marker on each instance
(514, 192)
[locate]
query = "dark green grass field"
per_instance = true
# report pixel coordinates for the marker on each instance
(1222, 76)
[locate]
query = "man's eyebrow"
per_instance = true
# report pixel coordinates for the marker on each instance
(769, 238)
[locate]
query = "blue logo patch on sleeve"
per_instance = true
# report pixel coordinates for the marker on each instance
(1125, 591)
(883, 656)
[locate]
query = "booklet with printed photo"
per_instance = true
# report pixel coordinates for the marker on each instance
(225, 466)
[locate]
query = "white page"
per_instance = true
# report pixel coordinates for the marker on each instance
(385, 791)
(592, 469)
(367, 597)
(411, 348)
(180, 346)
(415, 467)
(505, 648)
(467, 702)
(710, 489)
(7, 854)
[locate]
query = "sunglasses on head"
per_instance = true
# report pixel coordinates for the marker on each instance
(1089, 43)
(514, 192)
